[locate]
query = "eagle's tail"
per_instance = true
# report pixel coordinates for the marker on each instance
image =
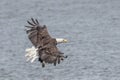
(31, 54)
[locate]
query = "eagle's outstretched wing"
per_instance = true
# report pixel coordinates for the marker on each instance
(46, 45)
(36, 33)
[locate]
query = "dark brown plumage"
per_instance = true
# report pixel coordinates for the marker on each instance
(40, 38)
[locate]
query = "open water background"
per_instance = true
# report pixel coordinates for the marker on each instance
(91, 26)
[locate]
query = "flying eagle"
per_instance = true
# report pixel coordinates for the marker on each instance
(44, 46)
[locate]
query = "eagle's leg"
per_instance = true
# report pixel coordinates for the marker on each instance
(58, 58)
(43, 64)
(55, 61)
(40, 60)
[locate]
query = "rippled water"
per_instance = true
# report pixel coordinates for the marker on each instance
(91, 26)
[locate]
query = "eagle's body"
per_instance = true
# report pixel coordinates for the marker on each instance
(45, 48)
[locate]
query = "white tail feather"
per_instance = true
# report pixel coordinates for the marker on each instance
(31, 54)
(34, 59)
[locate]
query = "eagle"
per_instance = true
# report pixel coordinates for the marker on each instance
(44, 46)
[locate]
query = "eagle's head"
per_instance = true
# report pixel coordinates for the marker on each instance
(61, 40)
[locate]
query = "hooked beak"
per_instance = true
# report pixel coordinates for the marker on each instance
(65, 41)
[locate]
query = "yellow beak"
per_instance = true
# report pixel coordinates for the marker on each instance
(65, 41)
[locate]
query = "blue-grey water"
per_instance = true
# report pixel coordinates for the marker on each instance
(91, 26)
